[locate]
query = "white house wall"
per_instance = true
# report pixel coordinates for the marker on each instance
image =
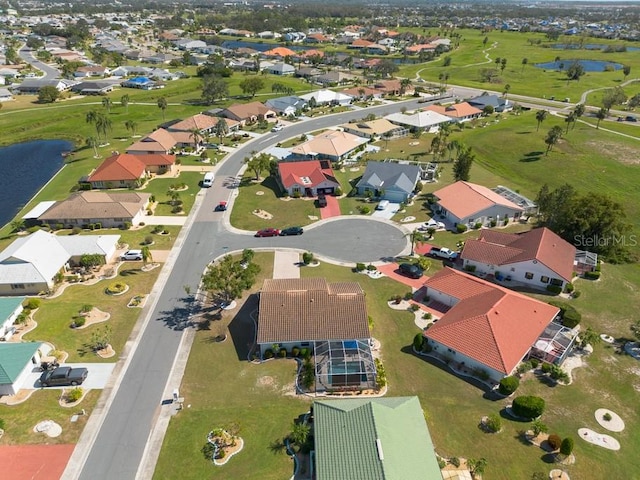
(495, 212)
(8, 323)
(518, 270)
(470, 363)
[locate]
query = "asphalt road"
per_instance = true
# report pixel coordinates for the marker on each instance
(118, 448)
(49, 72)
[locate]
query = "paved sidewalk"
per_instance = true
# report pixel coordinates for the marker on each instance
(285, 264)
(164, 220)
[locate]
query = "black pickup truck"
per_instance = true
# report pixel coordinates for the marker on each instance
(63, 376)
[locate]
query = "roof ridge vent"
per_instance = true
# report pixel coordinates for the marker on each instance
(379, 448)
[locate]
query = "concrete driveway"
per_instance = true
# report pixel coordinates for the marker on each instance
(388, 212)
(97, 378)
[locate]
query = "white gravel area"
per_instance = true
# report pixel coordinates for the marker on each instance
(599, 439)
(616, 424)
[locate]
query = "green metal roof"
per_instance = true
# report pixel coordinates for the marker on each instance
(8, 305)
(373, 439)
(13, 358)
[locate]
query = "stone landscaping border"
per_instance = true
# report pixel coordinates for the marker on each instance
(615, 424)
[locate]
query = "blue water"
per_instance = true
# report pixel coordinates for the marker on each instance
(26, 168)
(588, 46)
(260, 47)
(588, 65)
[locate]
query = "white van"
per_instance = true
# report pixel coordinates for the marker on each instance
(382, 205)
(208, 179)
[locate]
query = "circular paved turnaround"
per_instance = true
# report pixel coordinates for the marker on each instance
(354, 240)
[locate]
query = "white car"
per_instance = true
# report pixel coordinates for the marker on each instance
(132, 255)
(277, 128)
(434, 224)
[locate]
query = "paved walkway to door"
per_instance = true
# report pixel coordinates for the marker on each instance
(332, 209)
(286, 264)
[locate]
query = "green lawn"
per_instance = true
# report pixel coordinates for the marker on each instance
(159, 187)
(56, 314)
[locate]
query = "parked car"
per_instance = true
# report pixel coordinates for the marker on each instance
(132, 255)
(63, 376)
(630, 118)
(268, 232)
(434, 224)
(221, 207)
(382, 205)
(292, 231)
(277, 128)
(322, 200)
(444, 253)
(410, 270)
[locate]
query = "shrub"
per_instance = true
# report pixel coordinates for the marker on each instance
(461, 228)
(337, 192)
(381, 374)
(566, 447)
(307, 258)
(477, 225)
(372, 268)
(408, 295)
(418, 341)
(305, 353)
(554, 441)
(470, 268)
(2, 424)
(546, 368)
(508, 385)
(32, 303)
(493, 223)
(75, 394)
(116, 287)
(455, 461)
(528, 406)
(360, 267)
(427, 316)
(534, 362)
(364, 210)
(59, 226)
(569, 287)
(576, 293)
(148, 240)
(506, 222)
(295, 351)
(441, 463)
(268, 353)
(86, 308)
(555, 289)
(282, 353)
(592, 275)
(607, 417)
(75, 230)
(494, 423)
(79, 322)
(570, 316)
(414, 307)
(33, 229)
(149, 212)
(126, 225)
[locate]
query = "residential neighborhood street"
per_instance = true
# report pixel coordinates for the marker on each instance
(49, 72)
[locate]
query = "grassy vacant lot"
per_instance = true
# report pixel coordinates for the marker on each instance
(43, 405)
(160, 186)
(56, 314)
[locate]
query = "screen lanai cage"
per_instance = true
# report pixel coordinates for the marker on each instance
(344, 365)
(554, 344)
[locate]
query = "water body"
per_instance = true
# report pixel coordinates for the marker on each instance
(589, 46)
(588, 65)
(260, 47)
(27, 167)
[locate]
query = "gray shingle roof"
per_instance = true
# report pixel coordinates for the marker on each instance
(390, 174)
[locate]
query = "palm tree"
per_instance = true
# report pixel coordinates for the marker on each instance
(103, 125)
(506, 89)
(196, 135)
(124, 101)
(524, 63)
(131, 125)
(571, 118)
(91, 117)
(404, 84)
(146, 255)
(106, 103)
(92, 142)
(416, 238)
(222, 129)
(553, 137)
(601, 115)
(578, 111)
(541, 116)
(162, 105)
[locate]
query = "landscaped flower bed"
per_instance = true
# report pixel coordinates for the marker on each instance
(117, 288)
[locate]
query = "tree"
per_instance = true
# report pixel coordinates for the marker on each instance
(405, 83)
(48, 94)
(214, 88)
(566, 447)
(506, 89)
(162, 105)
(613, 96)
(100, 338)
(569, 119)
(124, 101)
(92, 142)
(17, 225)
(485, 40)
(386, 68)
(131, 125)
(299, 433)
(589, 337)
(524, 63)
(626, 70)
(528, 406)
(91, 260)
(578, 111)
(541, 116)
(601, 115)
(503, 64)
(258, 164)
(227, 279)
(477, 466)
(634, 101)
(221, 129)
(103, 125)
(146, 254)
(196, 135)
(251, 85)
(462, 165)
(107, 103)
(416, 238)
(537, 427)
(553, 137)
(575, 71)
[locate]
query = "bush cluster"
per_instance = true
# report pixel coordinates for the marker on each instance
(554, 441)
(570, 316)
(528, 406)
(592, 275)
(461, 228)
(508, 385)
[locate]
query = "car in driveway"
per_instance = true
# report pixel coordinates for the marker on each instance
(433, 224)
(322, 200)
(410, 270)
(292, 231)
(221, 207)
(268, 232)
(131, 255)
(63, 376)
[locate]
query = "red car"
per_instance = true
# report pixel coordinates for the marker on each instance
(268, 232)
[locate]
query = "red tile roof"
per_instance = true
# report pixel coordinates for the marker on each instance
(541, 244)
(126, 166)
(292, 173)
(489, 323)
(279, 52)
(463, 199)
(158, 141)
(457, 110)
(199, 121)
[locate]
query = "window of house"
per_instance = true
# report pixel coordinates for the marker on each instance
(17, 286)
(123, 182)
(544, 279)
(556, 281)
(528, 275)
